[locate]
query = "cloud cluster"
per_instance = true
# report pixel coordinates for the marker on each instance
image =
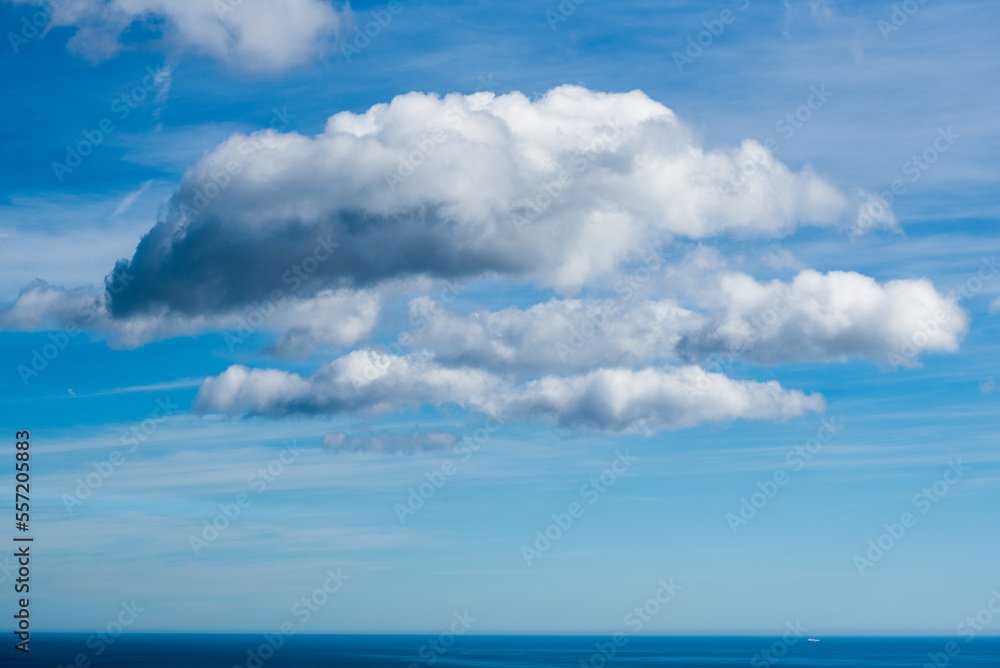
(614, 400)
(256, 34)
(561, 190)
(306, 237)
(813, 317)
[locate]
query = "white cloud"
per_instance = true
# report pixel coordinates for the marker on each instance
(622, 399)
(43, 307)
(129, 199)
(257, 34)
(995, 306)
(832, 316)
(562, 190)
(607, 399)
(364, 381)
(302, 326)
(813, 317)
(339, 318)
(568, 191)
(558, 335)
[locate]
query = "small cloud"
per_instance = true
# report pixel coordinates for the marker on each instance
(995, 306)
(253, 34)
(130, 199)
(781, 258)
(390, 443)
(821, 11)
(162, 81)
(857, 50)
(988, 387)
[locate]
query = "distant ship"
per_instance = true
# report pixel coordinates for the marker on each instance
(813, 639)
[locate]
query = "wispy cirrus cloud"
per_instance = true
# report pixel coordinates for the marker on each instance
(390, 442)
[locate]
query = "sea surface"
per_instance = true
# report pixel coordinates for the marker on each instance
(409, 651)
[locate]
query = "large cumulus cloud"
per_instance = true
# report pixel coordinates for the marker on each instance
(561, 190)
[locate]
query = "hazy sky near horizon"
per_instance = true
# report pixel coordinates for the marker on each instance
(706, 292)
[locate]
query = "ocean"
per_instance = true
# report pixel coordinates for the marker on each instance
(413, 651)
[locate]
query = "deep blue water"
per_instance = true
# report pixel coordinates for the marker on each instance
(396, 651)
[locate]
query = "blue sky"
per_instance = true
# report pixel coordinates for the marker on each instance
(709, 405)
